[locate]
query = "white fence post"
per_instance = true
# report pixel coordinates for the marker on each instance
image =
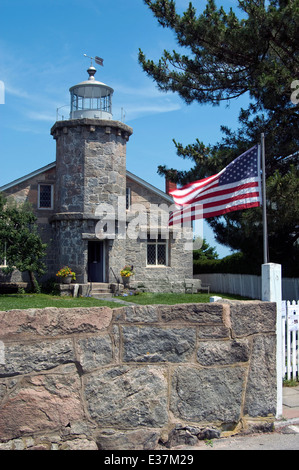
(290, 326)
(271, 292)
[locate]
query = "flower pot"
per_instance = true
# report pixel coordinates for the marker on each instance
(66, 280)
(126, 281)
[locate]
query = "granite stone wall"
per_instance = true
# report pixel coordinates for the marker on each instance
(143, 377)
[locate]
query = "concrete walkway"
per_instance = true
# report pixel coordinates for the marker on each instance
(117, 300)
(290, 403)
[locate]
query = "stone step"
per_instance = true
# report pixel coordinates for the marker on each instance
(100, 289)
(104, 289)
(100, 285)
(101, 295)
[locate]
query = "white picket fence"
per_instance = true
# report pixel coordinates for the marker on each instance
(246, 285)
(290, 338)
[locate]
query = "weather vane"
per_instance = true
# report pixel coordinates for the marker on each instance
(97, 59)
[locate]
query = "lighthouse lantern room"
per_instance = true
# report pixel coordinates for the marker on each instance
(91, 99)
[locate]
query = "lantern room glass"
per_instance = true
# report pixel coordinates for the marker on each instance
(90, 98)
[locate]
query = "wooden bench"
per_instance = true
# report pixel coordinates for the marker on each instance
(195, 285)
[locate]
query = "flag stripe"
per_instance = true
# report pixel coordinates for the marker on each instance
(179, 217)
(229, 190)
(225, 203)
(191, 187)
(246, 205)
(184, 196)
(231, 199)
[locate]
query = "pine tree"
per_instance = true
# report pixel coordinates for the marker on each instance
(222, 56)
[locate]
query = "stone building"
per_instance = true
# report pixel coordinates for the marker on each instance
(96, 216)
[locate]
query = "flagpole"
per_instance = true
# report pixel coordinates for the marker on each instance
(272, 291)
(265, 230)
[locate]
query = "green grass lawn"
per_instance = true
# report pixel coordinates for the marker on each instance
(148, 298)
(24, 301)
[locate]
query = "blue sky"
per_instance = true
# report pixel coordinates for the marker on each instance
(42, 47)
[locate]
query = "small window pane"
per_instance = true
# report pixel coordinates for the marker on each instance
(45, 195)
(161, 254)
(151, 254)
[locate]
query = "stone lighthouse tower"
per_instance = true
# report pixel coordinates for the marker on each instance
(90, 171)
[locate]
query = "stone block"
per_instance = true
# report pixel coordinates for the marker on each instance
(145, 314)
(53, 321)
(141, 439)
(194, 313)
(94, 352)
(260, 397)
(24, 358)
(41, 403)
(126, 397)
(207, 395)
(182, 436)
(248, 318)
(223, 352)
(78, 444)
(213, 332)
(149, 344)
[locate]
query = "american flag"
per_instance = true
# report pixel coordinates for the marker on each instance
(236, 187)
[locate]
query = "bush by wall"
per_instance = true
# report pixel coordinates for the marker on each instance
(237, 263)
(233, 264)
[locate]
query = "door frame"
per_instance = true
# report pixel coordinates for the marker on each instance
(102, 247)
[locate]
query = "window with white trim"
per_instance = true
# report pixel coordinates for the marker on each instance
(45, 196)
(157, 251)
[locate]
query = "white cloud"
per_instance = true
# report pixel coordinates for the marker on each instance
(142, 100)
(139, 110)
(149, 91)
(11, 90)
(39, 116)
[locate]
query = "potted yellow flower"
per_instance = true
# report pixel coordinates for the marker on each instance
(66, 275)
(126, 273)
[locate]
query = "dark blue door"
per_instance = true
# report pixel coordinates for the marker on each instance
(95, 262)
